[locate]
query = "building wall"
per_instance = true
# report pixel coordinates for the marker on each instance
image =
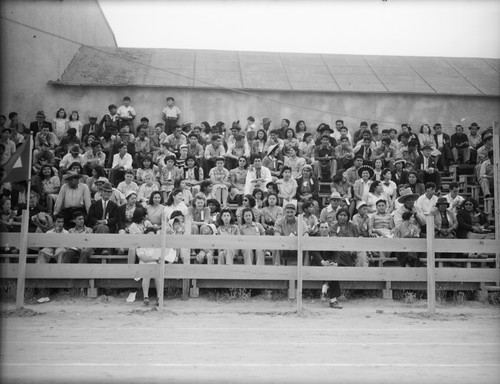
(213, 105)
(31, 58)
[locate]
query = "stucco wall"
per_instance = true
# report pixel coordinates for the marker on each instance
(213, 105)
(30, 58)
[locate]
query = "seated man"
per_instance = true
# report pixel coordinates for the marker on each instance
(257, 176)
(288, 226)
(427, 202)
(74, 253)
(47, 253)
(122, 161)
(73, 196)
(453, 198)
(486, 175)
(385, 152)
(329, 213)
(325, 165)
(426, 167)
(460, 148)
(442, 141)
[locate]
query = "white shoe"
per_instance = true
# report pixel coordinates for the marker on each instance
(131, 297)
(43, 300)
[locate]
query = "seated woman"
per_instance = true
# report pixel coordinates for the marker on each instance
(287, 186)
(270, 213)
(415, 184)
(390, 188)
(307, 189)
(258, 195)
(9, 220)
(206, 187)
(177, 225)
(226, 227)
(250, 227)
(473, 223)
(49, 185)
(193, 174)
(175, 202)
(295, 162)
(341, 185)
(248, 201)
(237, 177)
(219, 176)
(198, 214)
(148, 167)
(361, 186)
(154, 209)
(344, 228)
(273, 161)
(126, 214)
(376, 193)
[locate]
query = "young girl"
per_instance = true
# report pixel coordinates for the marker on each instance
(259, 198)
(60, 123)
(294, 162)
(219, 176)
(287, 186)
(74, 122)
(169, 174)
(198, 214)
(237, 176)
(214, 207)
(154, 209)
(306, 147)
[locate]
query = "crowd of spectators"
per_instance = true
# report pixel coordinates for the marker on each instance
(118, 174)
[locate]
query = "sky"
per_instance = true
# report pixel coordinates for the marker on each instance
(456, 28)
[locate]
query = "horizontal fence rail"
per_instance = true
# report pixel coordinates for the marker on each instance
(253, 242)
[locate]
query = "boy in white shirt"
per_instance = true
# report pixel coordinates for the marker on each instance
(126, 115)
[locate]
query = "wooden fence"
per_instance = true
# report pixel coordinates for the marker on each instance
(292, 274)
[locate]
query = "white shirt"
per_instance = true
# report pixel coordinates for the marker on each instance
(171, 112)
(124, 111)
(265, 174)
(454, 202)
(425, 205)
(125, 162)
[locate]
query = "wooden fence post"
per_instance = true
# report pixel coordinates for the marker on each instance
(161, 288)
(21, 272)
(300, 230)
(496, 183)
(431, 273)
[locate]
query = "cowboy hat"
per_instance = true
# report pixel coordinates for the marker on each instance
(370, 170)
(407, 194)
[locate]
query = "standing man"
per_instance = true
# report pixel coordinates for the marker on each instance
(266, 124)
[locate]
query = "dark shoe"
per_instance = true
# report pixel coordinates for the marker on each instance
(335, 305)
(146, 301)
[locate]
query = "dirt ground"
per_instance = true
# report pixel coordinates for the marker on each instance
(80, 340)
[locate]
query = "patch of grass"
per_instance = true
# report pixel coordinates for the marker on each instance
(278, 294)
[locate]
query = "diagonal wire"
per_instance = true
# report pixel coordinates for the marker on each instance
(211, 85)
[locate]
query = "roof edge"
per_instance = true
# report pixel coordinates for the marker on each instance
(107, 22)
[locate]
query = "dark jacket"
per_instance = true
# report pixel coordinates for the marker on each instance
(314, 187)
(465, 222)
(446, 140)
(419, 162)
(122, 219)
(95, 214)
(97, 131)
(35, 128)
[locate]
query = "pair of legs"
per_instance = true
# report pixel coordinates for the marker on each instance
(82, 255)
(220, 192)
(226, 256)
(325, 170)
(248, 256)
(46, 254)
(461, 154)
(205, 254)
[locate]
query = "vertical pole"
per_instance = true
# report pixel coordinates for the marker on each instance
(496, 183)
(21, 271)
(300, 230)
(431, 274)
(161, 288)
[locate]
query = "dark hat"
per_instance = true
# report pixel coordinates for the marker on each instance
(219, 158)
(107, 187)
(72, 175)
(325, 128)
(124, 132)
(75, 149)
(40, 114)
(92, 117)
(265, 121)
(426, 146)
(6, 129)
(442, 200)
(366, 168)
(95, 144)
(399, 160)
(290, 206)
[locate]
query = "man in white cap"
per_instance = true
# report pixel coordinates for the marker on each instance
(328, 213)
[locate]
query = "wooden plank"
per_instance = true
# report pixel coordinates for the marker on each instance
(363, 244)
(21, 271)
(466, 246)
(161, 288)
(431, 266)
